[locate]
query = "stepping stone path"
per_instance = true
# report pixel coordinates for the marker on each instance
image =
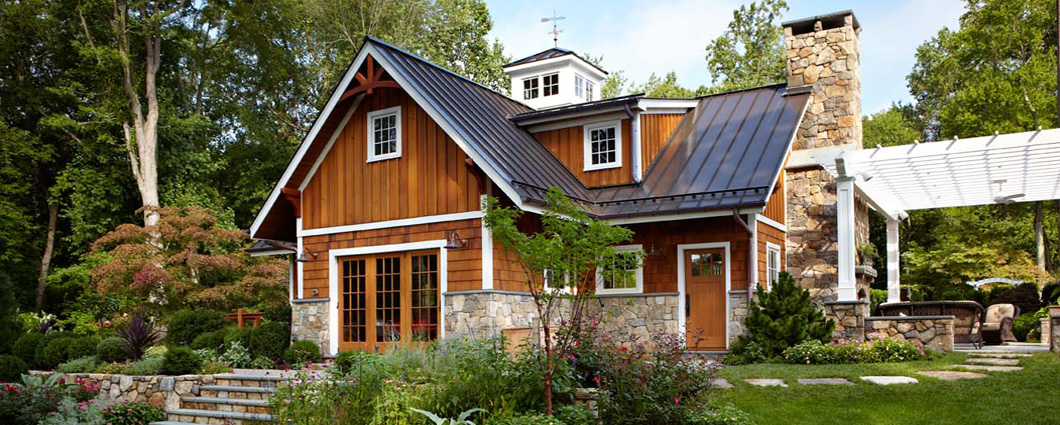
(889, 380)
(766, 382)
(993, 361)
(1000, 355)
(952, 375)
(825, 381)
(986, 368)
(720, 383)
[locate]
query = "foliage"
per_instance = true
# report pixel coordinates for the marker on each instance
(132, 413)
(242, 335)
(138, 335)
(270, 340)
(147, 366)
(210, 340)
(876, 297)
(572, 414)
(1024, 296)
(12, 368)
(36, 398)
(185, 325)
(570, 244)
(25, 347)
(302, 352)
(86, 364)
(213, 368)
(527, 419)
(236, 354)
(261, 362)
(112, 350)
(667, 86)
(460, 420)
(750, 52)
(180, 361)
(82, 347)
(723, 415)
(196, 261)
(874, 350)
(53, 353)
(278, 312)
(782, 318)
(1024, 324)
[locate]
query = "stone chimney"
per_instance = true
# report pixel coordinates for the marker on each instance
(823, 51)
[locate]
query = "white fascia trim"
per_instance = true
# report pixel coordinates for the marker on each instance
(681, 248)
(427, 219)
(804, 158)
(450, 131)
(308, 140)
(331, 142)
(771, 223)
(788, 155)
(639, 274)
(565, 121)
(487, 251)
(271, 253)
(586, 143)
(372, 157)
(634, 137)
(661, 111)
(333, 281)
(683, 216)
(676, 104)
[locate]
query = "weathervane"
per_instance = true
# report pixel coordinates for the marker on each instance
(555, 31)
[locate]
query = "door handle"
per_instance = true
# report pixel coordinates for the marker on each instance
(688, 306)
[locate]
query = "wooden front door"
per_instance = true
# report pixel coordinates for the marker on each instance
(705, 314)
(388, 299)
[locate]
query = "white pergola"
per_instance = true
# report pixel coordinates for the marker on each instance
(998, 169)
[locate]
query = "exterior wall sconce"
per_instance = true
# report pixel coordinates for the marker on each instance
(454, 241)
(304, 258)
(653, 251)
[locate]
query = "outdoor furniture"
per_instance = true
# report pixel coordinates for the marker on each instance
(242, 316)
(967, 316)
(997, 325)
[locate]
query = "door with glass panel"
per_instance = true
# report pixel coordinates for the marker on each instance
(705, 271)
(388, 299)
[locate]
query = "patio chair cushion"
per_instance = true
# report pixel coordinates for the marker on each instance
(991, 326)
(998, 312)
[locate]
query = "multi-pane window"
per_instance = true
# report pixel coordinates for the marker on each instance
(530, 88)
(708, 264)
(355, 307)
(579, 86)
(390, 298)
(384, 134)
(602, 147)
(550, 84)
(772, 264)
(613, 281)
(588, 90)
(424, 298)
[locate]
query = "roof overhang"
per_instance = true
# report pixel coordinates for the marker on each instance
(1003, 168)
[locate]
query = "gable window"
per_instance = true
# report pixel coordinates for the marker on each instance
(579, 84)
(603, 146)
(588, 90)
(632, 282)
(530, 88)
(384, 134)
(772, 264)
(551, 84)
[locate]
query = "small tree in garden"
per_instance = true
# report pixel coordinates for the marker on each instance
(193, 261)
(560, 262)
(781, 318)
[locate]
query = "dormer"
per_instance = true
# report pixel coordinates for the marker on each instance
(554, 77)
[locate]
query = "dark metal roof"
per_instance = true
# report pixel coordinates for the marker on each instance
(828, 20)
(554, 52)
(480, 117)
(263, 245)
(579, 107)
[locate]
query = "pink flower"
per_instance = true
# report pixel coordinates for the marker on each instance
(677, 399)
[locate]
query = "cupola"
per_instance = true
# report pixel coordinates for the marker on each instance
(554, 77)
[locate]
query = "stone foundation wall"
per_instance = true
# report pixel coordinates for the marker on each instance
(738, 311)
(1047, 332)
(309, 321)
(163, 391)
(934, 332)
(849, 317)
(1054, 328)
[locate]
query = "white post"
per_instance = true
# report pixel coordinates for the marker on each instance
(894, 293)
(301, 266)
(845, 233)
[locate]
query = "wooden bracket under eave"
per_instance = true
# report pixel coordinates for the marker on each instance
(294, 196)
(367, 84)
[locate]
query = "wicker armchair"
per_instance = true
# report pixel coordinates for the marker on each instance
(997, 326)
(967, 323)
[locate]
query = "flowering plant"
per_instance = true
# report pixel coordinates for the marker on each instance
(876, 349)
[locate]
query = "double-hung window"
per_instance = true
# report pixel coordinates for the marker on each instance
(603, 145)
(588, 91)
(530, 88)
(772, 264)
(550, 83)
(579, 86)
(630, 282)
(384, 134)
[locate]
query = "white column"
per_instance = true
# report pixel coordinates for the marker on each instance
(634, 127)
(893, 262)
(847, 249)
(301, 266)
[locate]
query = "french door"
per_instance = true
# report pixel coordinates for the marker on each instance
(388, 299)
(705, 323)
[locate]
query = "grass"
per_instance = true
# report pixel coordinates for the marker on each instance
(1024, 397)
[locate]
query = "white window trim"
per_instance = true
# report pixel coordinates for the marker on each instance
(639, 274)
(588, 90)
(539, 89)
(771, 248)
(369, 123)
(587, 145)
(542, 84)
(546, 288)
(579, 89)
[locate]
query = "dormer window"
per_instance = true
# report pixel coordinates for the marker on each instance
(603, 145)
(583, 88)
(588, 90)
(551, 84)
(530, 88)
(384, 134)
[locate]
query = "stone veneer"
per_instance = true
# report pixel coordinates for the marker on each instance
(934, 332)
(164, 391)
(1055, 330)
(738, 311)
(849, 317)
(309, 321)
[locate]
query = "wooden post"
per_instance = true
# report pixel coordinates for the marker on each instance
(239, 317)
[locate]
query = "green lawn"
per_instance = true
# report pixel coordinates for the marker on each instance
(1030, 396)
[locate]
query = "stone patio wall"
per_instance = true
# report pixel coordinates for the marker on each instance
(934, 332)
(163, 391)
(849, 317)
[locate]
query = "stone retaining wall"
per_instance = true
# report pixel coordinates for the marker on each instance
(163, 391)
(934, 332)
(309, 321)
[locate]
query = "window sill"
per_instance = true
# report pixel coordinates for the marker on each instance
(602, 167)
(383, 158)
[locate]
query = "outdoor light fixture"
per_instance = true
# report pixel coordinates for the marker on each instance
(307, 258)
(454, 241)
(652, 251)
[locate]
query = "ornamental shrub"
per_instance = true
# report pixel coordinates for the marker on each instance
(301, 352)
(132, 413)
(185, 325)
(1025, 296)
(527, 419)
(572, 414)
(25, 347)
(40, 361)
(146, 366)
(236, 355)
(241, 335)
(875, 350)
(82, 347)
(211, 341)
(781, 318)
(139, 335)
(12, 368)
(54, 353)
(181, 361)
(79, 365)
(1024, 324)
(720, 415)
(111, 350)
(269, 340)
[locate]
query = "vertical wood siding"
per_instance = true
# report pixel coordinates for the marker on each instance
(430, 177)
(655, 131)
(776, 204)
(568, 145)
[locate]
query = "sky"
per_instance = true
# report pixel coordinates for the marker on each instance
(645, 36)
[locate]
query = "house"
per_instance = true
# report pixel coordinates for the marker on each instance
(380, 208)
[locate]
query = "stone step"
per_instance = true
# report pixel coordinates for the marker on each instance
(170, 423)
(952, 375)
(235, 391)
(993, 361)
(1000, 355)
(890, 380)
(222, 400)
(225, 404)
(989, 368)
(199, 416)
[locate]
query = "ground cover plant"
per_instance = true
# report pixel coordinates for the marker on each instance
(876, 349)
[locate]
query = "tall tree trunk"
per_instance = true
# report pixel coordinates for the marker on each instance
(1039, 234)
(46, 259)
